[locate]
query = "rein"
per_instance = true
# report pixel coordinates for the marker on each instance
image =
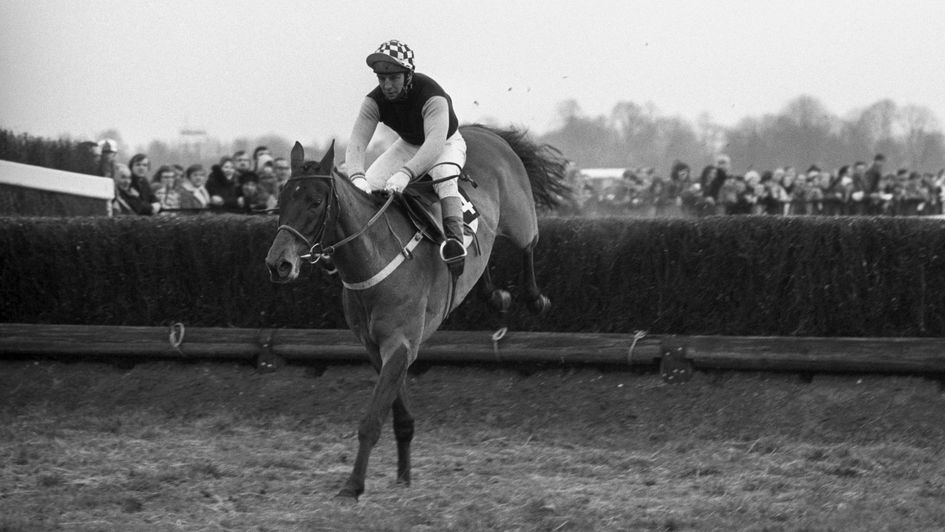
(317, 250)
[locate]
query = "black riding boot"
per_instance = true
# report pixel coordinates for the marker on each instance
(452, 250)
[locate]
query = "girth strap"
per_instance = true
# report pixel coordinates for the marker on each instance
(389, 269)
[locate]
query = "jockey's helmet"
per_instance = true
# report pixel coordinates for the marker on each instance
(390, 57)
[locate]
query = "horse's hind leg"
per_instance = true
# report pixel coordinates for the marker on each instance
(500, 300)
(537, 302)
(403, 433)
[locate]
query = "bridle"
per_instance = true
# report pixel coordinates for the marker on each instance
(317, 250)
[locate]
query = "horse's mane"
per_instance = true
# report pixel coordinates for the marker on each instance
(377, 198)
(545, 165)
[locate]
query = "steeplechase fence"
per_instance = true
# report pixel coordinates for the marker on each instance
(676, 356)
(842, 294)
(28, 190)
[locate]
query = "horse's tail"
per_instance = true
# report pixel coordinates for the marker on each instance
(545, 165)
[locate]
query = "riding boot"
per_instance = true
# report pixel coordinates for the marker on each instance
(452, 250)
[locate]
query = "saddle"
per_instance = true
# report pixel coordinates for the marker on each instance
(422, 206)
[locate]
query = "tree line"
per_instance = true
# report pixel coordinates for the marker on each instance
(802, 134)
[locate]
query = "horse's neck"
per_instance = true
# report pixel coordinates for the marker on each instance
(371, 250)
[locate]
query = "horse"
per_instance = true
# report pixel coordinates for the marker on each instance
(397, 290)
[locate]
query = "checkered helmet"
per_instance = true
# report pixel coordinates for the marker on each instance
(391, 56)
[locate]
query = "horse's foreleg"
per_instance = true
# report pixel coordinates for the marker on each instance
(389, 383)
(403, 433)
(537, 302)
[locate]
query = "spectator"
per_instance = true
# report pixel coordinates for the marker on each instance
(638, 191)
(734, 196)
(128, 199)
(165, 188)
(913, 195)
(754, 192)
(808, 195)
(267, 175)
(679, 179)
(259, 152)
(859, 195)
(882, 200)
(109, 158)
(224, 186)
(253, 198)
(283, 173)
(837, 192)
(711, 186)
(615, 198)
(693, 202)
(774, 196)
(243, 164)
(788, 183)
(724, 164)
(937, 189)
(139, 165)
(680, 182)
(873, 178)
(588, 203)
(178, 173)
(194, 194)
(660, 196)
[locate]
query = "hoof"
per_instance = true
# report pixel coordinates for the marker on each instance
(403, 482)
(500, 300)
(346, 496)
(540, 305)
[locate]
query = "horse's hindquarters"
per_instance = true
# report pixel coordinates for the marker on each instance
(283, 258)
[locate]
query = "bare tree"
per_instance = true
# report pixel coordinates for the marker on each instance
(917, 122)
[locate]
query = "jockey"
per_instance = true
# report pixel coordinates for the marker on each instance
(421, 113)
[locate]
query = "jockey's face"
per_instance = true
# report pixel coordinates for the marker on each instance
(391, 84)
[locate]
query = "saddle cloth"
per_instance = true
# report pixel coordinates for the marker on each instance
(422, 206)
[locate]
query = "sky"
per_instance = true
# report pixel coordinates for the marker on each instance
(296, 69)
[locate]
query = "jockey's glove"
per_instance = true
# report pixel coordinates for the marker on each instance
(397, 182)
(362, 183)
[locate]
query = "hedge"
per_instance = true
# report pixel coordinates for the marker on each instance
(34, 202)
(61, 154)
(737, 275)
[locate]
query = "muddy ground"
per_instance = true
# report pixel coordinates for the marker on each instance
(221, 446)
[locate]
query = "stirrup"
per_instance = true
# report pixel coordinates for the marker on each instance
(453, 258)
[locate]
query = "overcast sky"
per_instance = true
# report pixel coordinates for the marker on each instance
(248, 68)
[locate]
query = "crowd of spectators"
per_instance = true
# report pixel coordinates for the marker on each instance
(238, 183)
(857, 189)
(250, 183)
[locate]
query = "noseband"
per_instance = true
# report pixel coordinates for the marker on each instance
(317, 250)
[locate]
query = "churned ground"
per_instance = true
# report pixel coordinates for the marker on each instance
(202, 446)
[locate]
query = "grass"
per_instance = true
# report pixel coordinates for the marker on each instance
(221, 447)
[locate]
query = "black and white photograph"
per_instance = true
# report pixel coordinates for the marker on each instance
(456, 265)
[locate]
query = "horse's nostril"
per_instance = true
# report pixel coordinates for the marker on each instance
(285, 268)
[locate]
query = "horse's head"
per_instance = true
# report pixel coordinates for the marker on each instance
(304, 211)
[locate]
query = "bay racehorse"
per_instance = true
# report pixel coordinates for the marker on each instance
(397, 290)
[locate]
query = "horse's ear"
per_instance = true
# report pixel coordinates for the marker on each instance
(328, 161)
(297, 157)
